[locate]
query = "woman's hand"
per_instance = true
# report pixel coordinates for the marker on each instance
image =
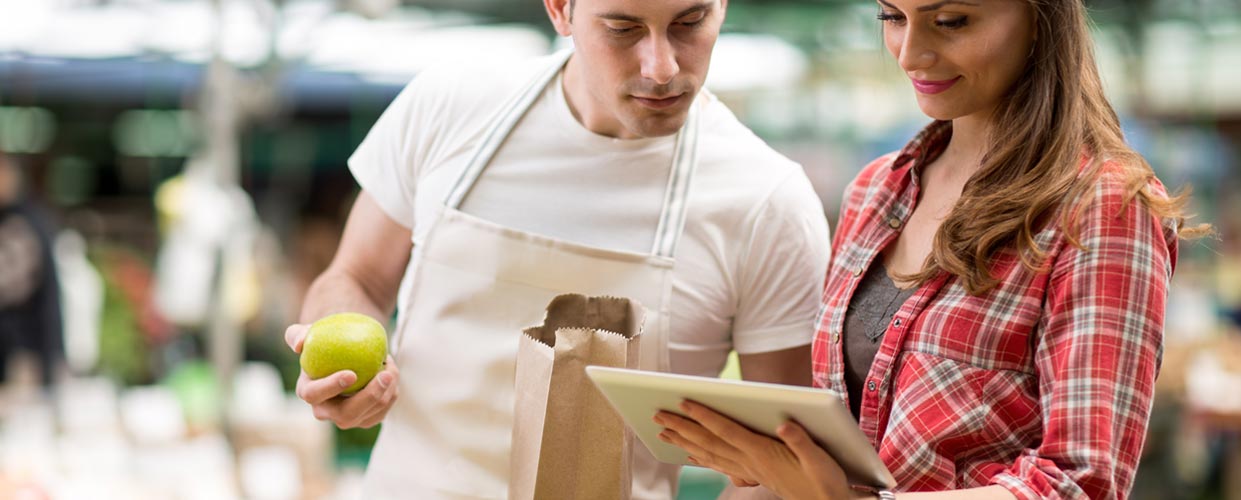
(794, 467)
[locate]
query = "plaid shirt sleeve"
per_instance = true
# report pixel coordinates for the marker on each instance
(1099, 352)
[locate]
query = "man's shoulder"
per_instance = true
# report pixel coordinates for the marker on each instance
(500, 74)
(732, 155)
(743, 178)
(471, 88)
(726, 143)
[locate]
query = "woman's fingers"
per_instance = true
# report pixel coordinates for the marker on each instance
(729, 431)
(807, 451)
(816, 464)
(702, 439)
(704, 456)
(705, 449)
(700, 454)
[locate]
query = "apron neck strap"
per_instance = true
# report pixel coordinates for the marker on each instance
(676, 197)
(498, 131)
(684, 157)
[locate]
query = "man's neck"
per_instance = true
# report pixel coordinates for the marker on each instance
(584, 109)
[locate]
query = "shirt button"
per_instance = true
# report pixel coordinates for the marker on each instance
(894, 223)
(870, 386)
(835, 337)
(897, 323)
(857, 271)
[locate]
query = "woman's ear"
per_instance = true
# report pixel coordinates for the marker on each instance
(1034, 22)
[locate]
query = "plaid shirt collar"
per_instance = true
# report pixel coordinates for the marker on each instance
(926, 146)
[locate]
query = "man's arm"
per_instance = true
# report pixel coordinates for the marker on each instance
(367, 269)
(788, 366)
(363, 277)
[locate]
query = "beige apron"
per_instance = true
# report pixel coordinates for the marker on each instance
(469, 292)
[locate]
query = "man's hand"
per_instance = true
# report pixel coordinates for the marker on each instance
(366, 408)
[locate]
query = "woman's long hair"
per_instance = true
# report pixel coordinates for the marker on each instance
(1054, 114)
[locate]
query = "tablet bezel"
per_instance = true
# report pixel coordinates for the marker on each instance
(638, 395)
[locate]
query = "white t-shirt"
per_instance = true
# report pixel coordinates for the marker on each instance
(751, 261)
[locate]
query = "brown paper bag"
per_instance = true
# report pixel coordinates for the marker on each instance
(567, 441)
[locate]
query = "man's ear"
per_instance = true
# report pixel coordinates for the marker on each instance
(560, 14)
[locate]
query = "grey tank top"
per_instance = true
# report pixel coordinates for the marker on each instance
(871, 309)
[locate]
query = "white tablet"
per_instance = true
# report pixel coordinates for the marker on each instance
(638, 395)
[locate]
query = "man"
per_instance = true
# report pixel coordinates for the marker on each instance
(486, 191)
(29, 294)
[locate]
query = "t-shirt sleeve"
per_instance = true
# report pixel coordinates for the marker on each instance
(780, 283)
(386, 164)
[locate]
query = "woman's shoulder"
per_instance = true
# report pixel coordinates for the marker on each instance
(883, 164)
(1118, 202)
(874, 174)
(1115, 183)
(1121, 176)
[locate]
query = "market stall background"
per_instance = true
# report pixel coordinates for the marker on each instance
(189, 156)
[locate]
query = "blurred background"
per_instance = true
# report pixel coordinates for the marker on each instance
(173, 177)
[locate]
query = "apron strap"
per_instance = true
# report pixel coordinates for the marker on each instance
(676, 198)
(499, 130)
(684, 158)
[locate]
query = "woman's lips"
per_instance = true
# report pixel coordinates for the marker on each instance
(933, 86)
(659, 103)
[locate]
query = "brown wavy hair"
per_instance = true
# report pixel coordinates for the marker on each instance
(1054, 114)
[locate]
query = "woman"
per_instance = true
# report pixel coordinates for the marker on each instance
(994, 308)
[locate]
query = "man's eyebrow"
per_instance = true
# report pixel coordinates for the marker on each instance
(704, 6)
(620, 16)
(617, 16)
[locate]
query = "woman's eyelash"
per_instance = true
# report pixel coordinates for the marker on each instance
(953, 23)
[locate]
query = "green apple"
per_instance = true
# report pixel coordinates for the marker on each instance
(345, 341)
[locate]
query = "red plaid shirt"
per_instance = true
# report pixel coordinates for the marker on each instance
(1044, 384)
